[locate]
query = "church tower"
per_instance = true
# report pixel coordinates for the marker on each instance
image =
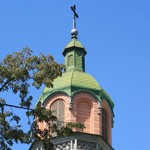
(76, 96)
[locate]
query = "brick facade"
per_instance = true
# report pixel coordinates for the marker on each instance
(85, 110)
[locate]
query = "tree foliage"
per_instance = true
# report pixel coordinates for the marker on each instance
(18, 72)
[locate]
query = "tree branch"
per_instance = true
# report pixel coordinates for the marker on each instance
(1, 104)
(8, 80)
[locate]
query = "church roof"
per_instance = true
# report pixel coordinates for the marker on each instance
(73, 82)
(75, 79)
(74, 42)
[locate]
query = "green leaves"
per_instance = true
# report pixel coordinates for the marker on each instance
(21, 70)
(8, 133)
(18, 72)
(15, 118)
(53, 127)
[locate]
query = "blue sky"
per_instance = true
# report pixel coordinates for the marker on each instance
(116, 35)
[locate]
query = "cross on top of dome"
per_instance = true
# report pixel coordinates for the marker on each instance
(74, 31)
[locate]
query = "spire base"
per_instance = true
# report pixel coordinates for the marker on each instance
(74, 33)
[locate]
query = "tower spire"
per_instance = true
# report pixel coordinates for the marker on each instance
(74, 31)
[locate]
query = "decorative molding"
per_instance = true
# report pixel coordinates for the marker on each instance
(70, 103)
(99, 108)
(79, 141)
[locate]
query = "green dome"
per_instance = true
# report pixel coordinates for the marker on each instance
(75, 81)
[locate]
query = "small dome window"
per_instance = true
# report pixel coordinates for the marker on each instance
(70, 60)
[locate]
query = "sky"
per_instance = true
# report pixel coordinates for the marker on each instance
(116, 36)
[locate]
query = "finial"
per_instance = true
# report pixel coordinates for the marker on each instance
(74, 31)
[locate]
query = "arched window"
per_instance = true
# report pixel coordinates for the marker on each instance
(70, 60)
(104, 124)
(84, 115)
(58, 109)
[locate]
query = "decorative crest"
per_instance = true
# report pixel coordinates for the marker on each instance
(74, 31)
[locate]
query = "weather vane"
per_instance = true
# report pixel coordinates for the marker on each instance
(74, 31)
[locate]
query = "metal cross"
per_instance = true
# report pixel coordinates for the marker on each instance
(73, 8)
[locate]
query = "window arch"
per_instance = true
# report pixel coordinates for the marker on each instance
(104, 124)
(70, 60)
(84, 115)
(58, 109)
